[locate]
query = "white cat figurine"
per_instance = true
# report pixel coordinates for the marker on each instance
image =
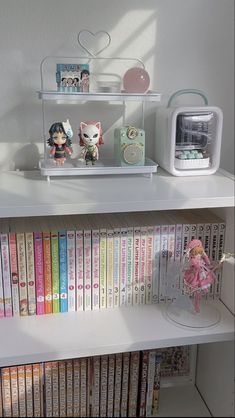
(90, 139)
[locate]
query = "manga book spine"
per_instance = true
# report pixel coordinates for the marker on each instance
(71, 271)
(103, 385)
(63, 274)
(47, 271)
(103, 266)
(22, 391)
(143, 246)
(136, 293)
(55, 389)
(129, 277)
(48, 389)
(39, 278)
(111, 375)
(6, 392)
(87, 269)
(134, 383)
(55, 263)
(14, 276)
(29, 243)
(149, 266)
(62, 389)
(125, 383)
(83, 387)
(95, 269)
(109, 268)
(143, 383)
(37, 390)
(117, 385)
(123, 266)
(29, 390)
(163, 263)
(76, 387)
(116, 267)
(156, 386)
(69, 382)
(6, 275)
(96, 387)
(219, 273)
(150, 382)
(2, 311)
(79, 270)
(14, 391)
(171, 279)
(21, 256)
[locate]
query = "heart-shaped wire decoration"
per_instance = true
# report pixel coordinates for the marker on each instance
(82, 42)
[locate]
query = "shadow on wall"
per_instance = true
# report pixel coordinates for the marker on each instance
(27, 156)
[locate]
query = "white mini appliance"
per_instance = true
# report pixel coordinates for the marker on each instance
(188, 138)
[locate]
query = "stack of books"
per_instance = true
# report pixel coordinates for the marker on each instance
(73, 263)
(124, 384)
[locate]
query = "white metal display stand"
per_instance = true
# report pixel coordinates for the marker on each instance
(73, 167)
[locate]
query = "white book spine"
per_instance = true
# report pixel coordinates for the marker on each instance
(71, 270)
(95, 269)
(185, 241)
(109, 268)
(171, 277)
(103, 268)
(129, 279)
(149, 266)
(136, 293)
(193, 231)
(178, 252)
(123, 266)
(79, 270)
(200, 232)
(150, 383)
(116, 267)
(143, 251)
(221, 242)
(6, 274)
(214, 253)
(156, 262)
(163, 263)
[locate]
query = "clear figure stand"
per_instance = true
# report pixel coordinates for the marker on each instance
(49, 95)
(181, 310)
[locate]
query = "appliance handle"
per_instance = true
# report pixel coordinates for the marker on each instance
(187, 91)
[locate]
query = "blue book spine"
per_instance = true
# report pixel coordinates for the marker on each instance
(63, 272)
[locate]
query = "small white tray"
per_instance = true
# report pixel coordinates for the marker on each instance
(192, 164)
(104, 167)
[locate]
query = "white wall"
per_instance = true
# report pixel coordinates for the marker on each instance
(183, 43)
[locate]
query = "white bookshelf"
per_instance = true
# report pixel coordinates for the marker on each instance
(81, 334)
(78, 334)
(69, 97)
(182, 401)
(29, 194)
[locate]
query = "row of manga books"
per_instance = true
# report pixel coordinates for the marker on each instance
(125, 384)
(72, 263)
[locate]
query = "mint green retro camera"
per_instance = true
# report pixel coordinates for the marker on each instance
(129, 146)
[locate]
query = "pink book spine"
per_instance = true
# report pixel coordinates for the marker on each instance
(123, 266)
(149, 266)
(178, 251)
(6, 276)
(79, 270)
(71, 271)
(143, 250)
(14, 275)
(38, 250)
(87, 269)
(95, 269)
(136, 293)
(1, 290)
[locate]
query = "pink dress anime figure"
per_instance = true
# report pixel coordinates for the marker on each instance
(199, 273)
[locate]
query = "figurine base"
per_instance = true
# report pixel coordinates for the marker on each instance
(207, 317)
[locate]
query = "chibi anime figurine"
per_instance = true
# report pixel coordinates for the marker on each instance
(90, 139)
(84, 83)
(198, 272)
(60, 141)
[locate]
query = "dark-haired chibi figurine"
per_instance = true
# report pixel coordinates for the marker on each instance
(60, 141)
(84, 83)
(90, 139)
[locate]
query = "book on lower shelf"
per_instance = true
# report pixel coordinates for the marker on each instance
(122, 384)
